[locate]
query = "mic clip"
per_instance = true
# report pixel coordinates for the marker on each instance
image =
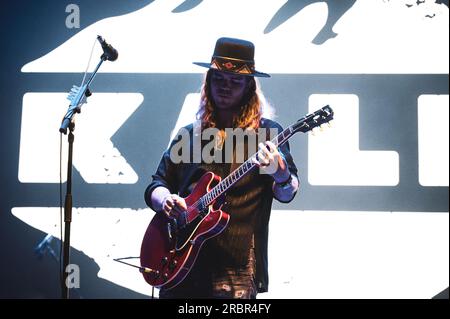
(77, 96)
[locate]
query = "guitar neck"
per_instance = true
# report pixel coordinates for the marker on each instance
(305, 124)
(241, 171)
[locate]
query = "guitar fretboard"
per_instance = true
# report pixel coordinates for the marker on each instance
(240, 172)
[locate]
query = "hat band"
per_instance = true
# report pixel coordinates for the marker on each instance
(233, 65)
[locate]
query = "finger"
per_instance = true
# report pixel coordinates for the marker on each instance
(255, 161)
(272, 148)
(167, 211)
(170, 202)
(267, 151)
(263, 149)
(167, 208)
(176, 199)
(261, 153)
(266, 157)
(265, 162)
(179, 202)
(260, 159)
(182, 204)
(177, 205)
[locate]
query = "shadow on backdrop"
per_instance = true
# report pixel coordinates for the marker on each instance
(336, 9)
(186, 6)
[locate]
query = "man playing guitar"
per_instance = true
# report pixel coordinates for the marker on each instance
(233, 262)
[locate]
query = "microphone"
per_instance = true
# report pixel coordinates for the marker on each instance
(109, 53)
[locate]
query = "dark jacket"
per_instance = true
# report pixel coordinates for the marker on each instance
(248, 202)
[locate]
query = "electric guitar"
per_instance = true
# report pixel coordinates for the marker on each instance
(171, 244)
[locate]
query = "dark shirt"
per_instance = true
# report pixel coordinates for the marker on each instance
(248, 202)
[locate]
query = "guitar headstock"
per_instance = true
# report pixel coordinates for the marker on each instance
(313, 120)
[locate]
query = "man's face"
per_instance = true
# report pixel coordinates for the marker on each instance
(227, 90)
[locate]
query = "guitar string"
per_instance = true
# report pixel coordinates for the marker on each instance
(277, 143)
(194, 206)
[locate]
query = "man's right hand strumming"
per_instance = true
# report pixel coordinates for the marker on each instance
(170, 204)
(173, 204)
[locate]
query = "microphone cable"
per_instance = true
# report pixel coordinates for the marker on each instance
(141, 269)
(89, 63)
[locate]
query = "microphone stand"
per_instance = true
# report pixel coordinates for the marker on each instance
(77, 97)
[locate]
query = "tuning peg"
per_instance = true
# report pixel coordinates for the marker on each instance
(330, 124)
(321, 128)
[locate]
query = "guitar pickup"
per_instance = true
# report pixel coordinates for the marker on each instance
(172, 227)
(169, 230)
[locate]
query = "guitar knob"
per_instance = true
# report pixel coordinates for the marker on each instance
(166, 276)
(164, 260)
(173, 264)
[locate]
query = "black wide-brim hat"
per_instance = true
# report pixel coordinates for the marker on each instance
(234, 56)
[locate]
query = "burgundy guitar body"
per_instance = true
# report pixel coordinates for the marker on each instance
(170, 246)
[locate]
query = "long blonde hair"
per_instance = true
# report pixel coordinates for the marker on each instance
(254, 106)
